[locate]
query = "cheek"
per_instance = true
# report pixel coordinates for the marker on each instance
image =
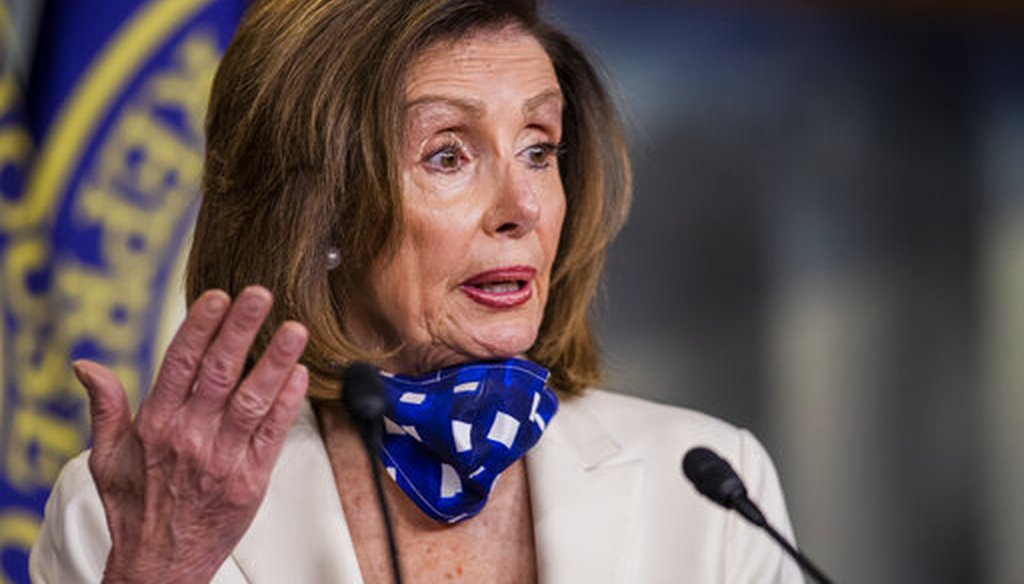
(413, 284)
(553, 223)
(437, 242)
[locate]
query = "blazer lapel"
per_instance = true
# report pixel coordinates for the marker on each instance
(299, 533)
(582, 489)
(583, 493)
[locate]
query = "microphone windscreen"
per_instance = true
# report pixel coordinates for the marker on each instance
(713, 476)
(362, 393)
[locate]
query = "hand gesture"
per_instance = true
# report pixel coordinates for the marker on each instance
(182, 482)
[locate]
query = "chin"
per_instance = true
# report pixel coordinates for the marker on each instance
(504, 341)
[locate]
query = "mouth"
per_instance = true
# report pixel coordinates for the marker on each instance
(502, 287)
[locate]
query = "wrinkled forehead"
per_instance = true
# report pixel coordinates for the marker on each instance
(484, 66)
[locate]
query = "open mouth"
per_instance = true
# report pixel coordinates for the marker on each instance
(502, 287)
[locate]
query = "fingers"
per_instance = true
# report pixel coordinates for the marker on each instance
(108, 405)
(181, 362)
(267, 440)
(257, 394)
(224, 360)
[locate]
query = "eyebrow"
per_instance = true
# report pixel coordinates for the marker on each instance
(553, 94)
(475, 107)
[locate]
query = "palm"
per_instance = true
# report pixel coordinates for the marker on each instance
(181, 482)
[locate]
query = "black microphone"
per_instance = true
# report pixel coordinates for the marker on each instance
(716, 480)
(362, 395)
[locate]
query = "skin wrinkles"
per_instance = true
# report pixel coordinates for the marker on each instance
(203, 445)
(481, 190)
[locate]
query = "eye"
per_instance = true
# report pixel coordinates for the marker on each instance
(539, 155)
(448, 158)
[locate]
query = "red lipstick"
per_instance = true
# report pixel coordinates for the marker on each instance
(501, 287)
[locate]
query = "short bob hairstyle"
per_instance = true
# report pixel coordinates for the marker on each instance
(304, 132)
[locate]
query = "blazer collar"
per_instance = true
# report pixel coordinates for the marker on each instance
(582, 490)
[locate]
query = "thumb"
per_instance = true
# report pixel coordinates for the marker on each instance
(108, 404)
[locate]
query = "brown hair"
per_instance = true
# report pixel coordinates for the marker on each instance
(303, 130)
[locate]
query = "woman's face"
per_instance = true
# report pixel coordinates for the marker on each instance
(483, 203)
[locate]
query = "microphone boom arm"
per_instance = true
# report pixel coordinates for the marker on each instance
(716, 480)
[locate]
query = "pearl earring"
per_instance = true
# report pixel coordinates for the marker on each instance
(333, 258)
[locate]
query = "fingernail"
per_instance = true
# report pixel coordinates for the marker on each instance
(291, 338)
(217, 303)
(82, 376)
(255, 299)
(301, 374)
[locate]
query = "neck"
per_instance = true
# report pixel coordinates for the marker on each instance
(352, 468)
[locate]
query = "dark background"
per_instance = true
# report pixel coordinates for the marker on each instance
(827, 247)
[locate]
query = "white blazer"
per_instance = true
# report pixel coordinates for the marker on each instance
(609, 505)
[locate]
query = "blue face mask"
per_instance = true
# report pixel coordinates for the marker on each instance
(449, 434)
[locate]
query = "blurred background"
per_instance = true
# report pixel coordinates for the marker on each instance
(826, 247)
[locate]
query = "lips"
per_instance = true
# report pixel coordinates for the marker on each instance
(506, 287)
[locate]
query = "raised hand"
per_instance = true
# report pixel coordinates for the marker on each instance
(182, 482)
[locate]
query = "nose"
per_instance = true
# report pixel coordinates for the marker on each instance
(516, 207)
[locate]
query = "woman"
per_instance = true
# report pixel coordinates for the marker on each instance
(429, 186)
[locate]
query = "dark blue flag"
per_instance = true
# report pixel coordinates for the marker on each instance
(100, 161)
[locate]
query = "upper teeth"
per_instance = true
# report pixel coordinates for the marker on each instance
(498, 287)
